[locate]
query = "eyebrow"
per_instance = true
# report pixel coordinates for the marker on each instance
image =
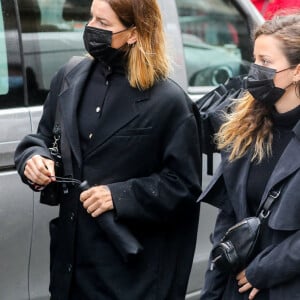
(98, 18)
(261, 56)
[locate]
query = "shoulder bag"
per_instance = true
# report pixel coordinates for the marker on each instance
(235, 250)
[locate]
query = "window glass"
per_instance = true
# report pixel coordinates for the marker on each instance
(11, 73)
(216, 41)
(3, 60)
(51, 34)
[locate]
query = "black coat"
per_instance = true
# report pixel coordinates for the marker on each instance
(276, 269)
(146, 149)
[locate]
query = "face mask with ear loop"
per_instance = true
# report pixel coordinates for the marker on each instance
(98, 41)
(260, 84)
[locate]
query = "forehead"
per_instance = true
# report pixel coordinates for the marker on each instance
(268, 45)
(102, 9)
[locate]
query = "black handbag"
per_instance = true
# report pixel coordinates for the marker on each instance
(236, 248)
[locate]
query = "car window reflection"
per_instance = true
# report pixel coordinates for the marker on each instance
(215, 39)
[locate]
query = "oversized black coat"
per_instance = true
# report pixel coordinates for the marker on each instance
(146, 149)
(276, 268)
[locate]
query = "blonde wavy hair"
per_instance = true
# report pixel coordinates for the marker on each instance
(249, 124)
(148, 61)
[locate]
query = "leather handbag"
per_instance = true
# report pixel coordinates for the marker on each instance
(236, 249)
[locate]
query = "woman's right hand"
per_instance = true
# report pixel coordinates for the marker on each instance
(245, 285)
(40, 170)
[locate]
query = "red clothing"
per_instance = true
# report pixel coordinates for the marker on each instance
(269, 7)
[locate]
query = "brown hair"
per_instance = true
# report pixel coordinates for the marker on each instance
(250, 122)
(147, 60)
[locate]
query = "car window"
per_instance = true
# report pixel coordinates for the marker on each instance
(216, 41)
(11, 73)
(3, 61)
(51, 34)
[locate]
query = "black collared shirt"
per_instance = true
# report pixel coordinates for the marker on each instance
(93, 99)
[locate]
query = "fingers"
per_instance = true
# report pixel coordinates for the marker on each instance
(245, 285)
(39, 170)
(240, 275)
(49, 164)
(253, 293)
(241, 278)
(242, 282)
(97, 200)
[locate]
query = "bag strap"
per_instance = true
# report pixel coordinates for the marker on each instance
(59, 129)
(266, 209)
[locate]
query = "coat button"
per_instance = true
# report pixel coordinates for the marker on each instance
(72, 216)
(69, 268)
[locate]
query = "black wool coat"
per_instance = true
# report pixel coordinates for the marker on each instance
(146, 149)
(276, 268)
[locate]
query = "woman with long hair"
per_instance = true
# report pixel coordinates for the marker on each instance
(259, 143)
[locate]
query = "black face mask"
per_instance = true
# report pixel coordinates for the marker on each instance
(261, 86)
(97, 43)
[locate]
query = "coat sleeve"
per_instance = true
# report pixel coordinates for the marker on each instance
(157, 197)
(276, 264)
(215, 280)
(38, 143)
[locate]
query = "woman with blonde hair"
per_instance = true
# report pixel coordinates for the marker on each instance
(131, 132)
(259, 143)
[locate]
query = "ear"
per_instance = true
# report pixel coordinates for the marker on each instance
(132, 37)
(296, 77)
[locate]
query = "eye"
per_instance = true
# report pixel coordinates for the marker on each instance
(98, 22)
(265, 61)
(262, 61)
(101, 23)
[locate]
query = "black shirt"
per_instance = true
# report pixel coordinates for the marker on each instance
(259, 173)
(93, 98)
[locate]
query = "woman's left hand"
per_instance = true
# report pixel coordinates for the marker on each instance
(97, 200)
(245, 285)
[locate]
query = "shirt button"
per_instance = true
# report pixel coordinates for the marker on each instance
(72, 216)
(106, 82)
(98, 109)
(90, 135)
(69, 268)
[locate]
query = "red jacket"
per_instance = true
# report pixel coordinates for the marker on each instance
(269, 7)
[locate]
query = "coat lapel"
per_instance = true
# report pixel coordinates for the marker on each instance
(235, 176)
(68, 101)
(288, 163)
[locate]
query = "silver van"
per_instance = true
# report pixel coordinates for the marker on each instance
(209, 41)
